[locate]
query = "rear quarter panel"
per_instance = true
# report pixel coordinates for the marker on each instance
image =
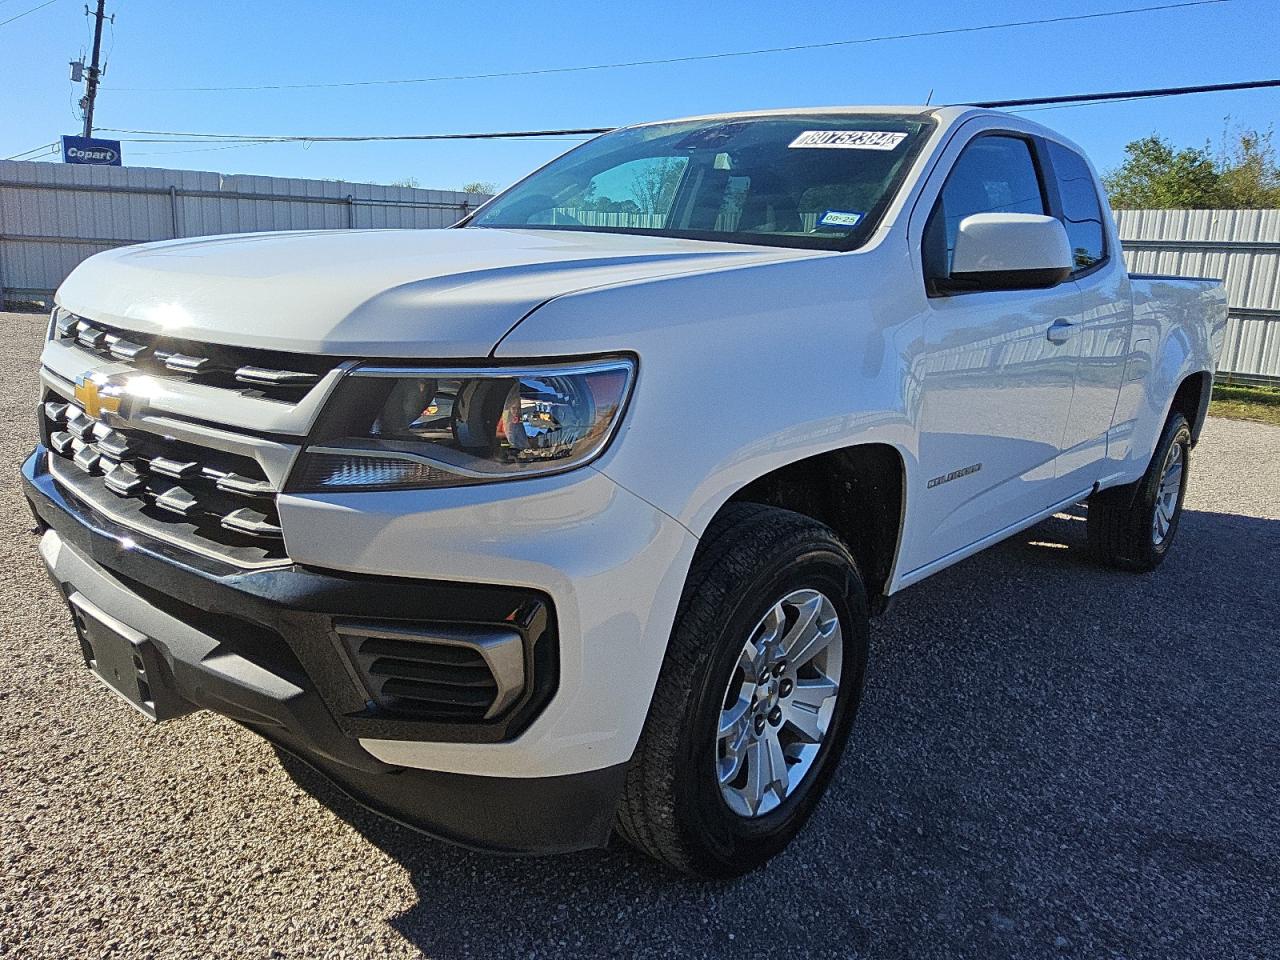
(1178, 328)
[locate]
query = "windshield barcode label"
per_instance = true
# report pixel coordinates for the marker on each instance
(849, 139)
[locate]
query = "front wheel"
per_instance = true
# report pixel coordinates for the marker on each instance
(1132, 527)
(755, 698)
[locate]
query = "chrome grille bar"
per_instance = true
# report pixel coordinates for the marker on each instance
(123, 349)
(231, 365)
(214, 490)
(275, 378)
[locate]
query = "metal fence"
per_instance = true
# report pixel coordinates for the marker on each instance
(1240, 247)
(54, 215)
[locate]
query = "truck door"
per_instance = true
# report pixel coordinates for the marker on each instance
(1101, 341)
(995, 374)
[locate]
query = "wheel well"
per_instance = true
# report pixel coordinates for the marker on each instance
(857, 491)
(1192, 401)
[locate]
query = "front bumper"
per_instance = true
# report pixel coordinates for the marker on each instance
(259, 648)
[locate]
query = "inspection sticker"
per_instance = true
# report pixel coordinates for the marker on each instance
(839, 218)
(849, 139)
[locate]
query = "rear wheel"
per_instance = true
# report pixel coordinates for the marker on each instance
(755, 698)
(1132, 527)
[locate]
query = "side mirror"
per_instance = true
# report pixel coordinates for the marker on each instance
(1009, 251)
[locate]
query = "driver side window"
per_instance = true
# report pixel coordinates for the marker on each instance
(994, 174)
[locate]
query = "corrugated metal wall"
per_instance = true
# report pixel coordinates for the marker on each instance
(54, 215)
(1240, 247)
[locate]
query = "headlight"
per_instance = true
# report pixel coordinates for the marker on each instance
(396, 428)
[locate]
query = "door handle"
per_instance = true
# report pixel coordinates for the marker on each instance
(1060, 331)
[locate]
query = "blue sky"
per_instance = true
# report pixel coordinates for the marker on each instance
(161, 45)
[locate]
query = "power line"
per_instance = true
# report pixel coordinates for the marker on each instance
(47, 3)
(1068, 106)
(231, 145)
(1026, 104)
(1132, 94)
(661, 61)
(165, 153)
(49, 147)
(298, 138)
(1080, 99)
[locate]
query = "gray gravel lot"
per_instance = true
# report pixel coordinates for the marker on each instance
(1051, 760)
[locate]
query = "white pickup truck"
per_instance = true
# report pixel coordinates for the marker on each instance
(573, 518)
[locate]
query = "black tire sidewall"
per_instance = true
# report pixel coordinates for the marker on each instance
(723, 842)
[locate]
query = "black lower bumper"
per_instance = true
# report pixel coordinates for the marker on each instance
(259, 647)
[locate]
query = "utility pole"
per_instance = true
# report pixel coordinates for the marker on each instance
(92, 74)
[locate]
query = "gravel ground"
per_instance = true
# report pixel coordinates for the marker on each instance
(1051, 760)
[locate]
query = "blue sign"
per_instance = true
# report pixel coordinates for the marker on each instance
(91, 150)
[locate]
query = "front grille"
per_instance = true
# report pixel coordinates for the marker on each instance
(451, 673)
(213, 491)
(259, 373)
(194, 495)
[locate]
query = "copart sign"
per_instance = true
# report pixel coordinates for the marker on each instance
(91, 150)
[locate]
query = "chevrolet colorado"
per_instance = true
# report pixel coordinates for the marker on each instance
(572, 518)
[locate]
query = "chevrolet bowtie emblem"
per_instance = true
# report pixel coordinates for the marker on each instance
(97, 396)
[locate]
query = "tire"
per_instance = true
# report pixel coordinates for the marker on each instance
(1132, 527)
(673, 805)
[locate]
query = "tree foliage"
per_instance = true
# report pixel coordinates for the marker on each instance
(1250, 175)
(1154, 174)
(654, 185)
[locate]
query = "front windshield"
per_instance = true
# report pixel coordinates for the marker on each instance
(819, 181)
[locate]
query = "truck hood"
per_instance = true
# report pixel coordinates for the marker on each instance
(370, 293)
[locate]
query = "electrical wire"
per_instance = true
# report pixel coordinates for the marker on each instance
(1131, 94)
(47, 3)
(165, 153)
(1018, 106)
(324, 138)
(661, 61)
(1068, 106)
(1080, 99)
(257, 143)
(50, 147)
(106, 60)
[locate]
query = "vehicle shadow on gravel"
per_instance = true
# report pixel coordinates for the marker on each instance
(1052, 759)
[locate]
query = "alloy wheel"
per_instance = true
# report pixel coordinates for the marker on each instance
(779, 702)
(1168, 494)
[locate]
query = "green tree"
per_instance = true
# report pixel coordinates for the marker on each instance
(1243, 175)
(405, 182)
(1154, 174)
(480, 186)
(1250, 175)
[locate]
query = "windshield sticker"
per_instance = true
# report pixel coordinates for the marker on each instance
(849, 139)
(839, 218)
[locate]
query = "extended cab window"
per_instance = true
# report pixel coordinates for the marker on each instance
(995, 174)
(819, 181)
(1081, 209)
